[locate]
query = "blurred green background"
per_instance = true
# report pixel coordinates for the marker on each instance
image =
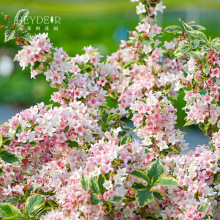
(101, 23)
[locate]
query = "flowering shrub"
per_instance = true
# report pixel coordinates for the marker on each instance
(77, 159)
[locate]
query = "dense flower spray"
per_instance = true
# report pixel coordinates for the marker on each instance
(78, 160)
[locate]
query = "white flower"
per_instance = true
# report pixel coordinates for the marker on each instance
(178, 86)
(141, 9)
(128, 212)
(147, 49)
(95, 172)
(75, 176)
(172, 139)
(159, 135)
(157, 43)
(152, 100)
(49, 75)
(162, 145)
(119, 205)
(147, 141)
(160, 7)
(122, 172)
(119, 180)
(108, 184)
(169, 45)
(136, 147)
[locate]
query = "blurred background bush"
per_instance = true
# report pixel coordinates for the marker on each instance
(101, 23)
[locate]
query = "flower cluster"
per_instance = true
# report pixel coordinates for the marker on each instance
(38, 51)
(105, 159)
(39, 135)
(194, 171)
(78, 160)
(202, 95)
(154, 119)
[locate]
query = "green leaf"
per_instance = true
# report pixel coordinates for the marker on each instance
(182, 49)
(189, 122)
(191, 22)
(10, 218)
(215, 40)
(149, 216)
(113, 116)
(1, 172)
(215, 178)
(34, 204)
(167, 181)
(30, 189)
(84, 182)
(117, 199)
(173, 97)
(173, 150)
(9, 34)
(17, 211)
(20, 16)
(155, 171)
(198, 27)
(72, 144)
(9, 157)
(144, 121)
(112, 99)
(206, 69)
(129, 116)
(216, 47)
(195, 55)
(144, 197)
(148, 41)
(173, 29)
(138, 185)
(7, 142)
(189, 102)
(43, 212)
(27, 37)
(196, 43)
(66, 129)
(94, 186)
(198, 34)
(126, 139)
(11, 200)
(127, 129)
(109, 206)
(6, 210)
(140, 174)
(203, 44)
(105, 116)
(158, 195)
(101, 180)
(187, 26)
(18, 129)
(146, 150)
(94, 199)
(204, 208)
(96, 135)
(33, 144)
